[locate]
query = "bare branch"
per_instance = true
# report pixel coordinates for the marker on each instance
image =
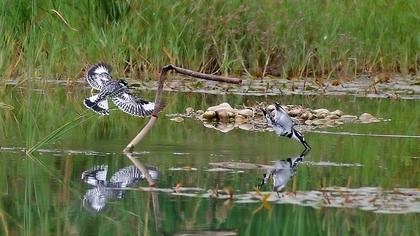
(159, 90)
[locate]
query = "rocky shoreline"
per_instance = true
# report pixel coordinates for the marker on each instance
(224, 117)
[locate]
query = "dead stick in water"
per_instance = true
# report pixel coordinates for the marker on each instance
(156, 110)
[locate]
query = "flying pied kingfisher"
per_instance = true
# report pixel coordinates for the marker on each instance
(99, 78)
(283, 125)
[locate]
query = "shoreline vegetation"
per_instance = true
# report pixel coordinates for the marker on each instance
(289, 39)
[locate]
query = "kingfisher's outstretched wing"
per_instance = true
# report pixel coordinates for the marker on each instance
(98, 75)
(133, 105)
(283, 119)
(95, 175)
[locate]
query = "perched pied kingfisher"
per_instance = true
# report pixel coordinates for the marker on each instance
(99, 78)
(283, 125)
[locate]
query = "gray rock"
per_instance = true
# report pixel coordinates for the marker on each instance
(222, 115)
(305, 115)
(189, 110)
(295, 112)
(240, 119)
(177, 119)
(245, 126)
(332, 116)
(337, 113)
(308, 122)
(246, 113)
(348, 118)
(271, 107)
(209, 115)
(367, 118)
(321, 110)
(223, 106)
(199, 112)
(319, 122)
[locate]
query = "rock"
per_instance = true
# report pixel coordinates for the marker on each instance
(271, 107)
(246, 126)
(367, 118)
(231, 114)
(177, 119)
(308, 122)
(321, 110)
(319, 122)
(199, 112)
(332, 116)
(321, 113)
(246, 113)
(222, 115)
(295, 112)
(189, 110)
(240, 119)
(348, 118)
(337, 113)
(223, 106)
(305, 115)
(209, 115)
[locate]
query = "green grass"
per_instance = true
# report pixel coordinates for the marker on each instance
(57, 39)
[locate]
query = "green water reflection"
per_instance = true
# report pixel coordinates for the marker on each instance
(42, 194)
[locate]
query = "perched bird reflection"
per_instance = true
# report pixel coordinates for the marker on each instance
(96, 198)
(282, 171)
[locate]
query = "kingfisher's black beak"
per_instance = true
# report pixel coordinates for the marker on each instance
(263, 111)
(262, 182)
(306, 145)
(131, 86)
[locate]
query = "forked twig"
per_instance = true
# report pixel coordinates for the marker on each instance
(159, 90)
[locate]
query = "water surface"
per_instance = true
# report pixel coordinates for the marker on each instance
(346, 185)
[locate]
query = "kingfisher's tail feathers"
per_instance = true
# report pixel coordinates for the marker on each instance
(98, 106)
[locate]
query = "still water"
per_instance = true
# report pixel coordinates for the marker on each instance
(206, 181)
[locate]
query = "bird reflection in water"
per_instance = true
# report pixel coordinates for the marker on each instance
(96, 198)
(282, 171)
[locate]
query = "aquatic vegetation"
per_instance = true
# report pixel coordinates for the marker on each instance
(329, 39)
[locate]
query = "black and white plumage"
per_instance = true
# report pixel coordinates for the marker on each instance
(97, 197)
(99, 78)
(283, 125)
(282, 171)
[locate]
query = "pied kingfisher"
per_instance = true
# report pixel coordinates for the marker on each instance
(283, 125)
(282, 171)
(99, 78)
(114, 188)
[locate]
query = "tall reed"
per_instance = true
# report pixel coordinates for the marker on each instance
(285, 38)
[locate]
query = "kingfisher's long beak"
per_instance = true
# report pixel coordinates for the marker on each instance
(306, 145)
(263, 111)
(131, 86)
(263, 181)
